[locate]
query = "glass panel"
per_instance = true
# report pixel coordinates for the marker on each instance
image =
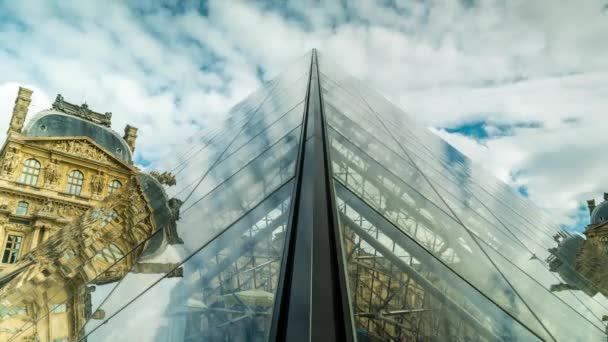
(226, 291)
(565, 324)
(400, 292)
(22, 208)
(427, 224)
(396, 169)
(510, 224)
(244, 121)
(280, 114)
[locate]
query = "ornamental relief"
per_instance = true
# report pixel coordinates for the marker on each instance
(19, 228)
(98, 182)
(10, 162)
(82, 149)
(51, 174)
(52, 208)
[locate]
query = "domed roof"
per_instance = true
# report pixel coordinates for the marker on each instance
(52, 123)
(600, 213)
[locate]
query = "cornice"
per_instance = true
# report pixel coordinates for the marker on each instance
(38, 195)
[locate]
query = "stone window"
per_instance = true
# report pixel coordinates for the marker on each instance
(75, 181)
(113, 186)
(11, 249)
(22, 207)
(30, 172)
(110, 254)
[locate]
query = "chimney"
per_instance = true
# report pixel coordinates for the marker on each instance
(130, 136)
(591, 205)
(22, 103)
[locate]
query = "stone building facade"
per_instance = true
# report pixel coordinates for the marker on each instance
(581, 261)
(74, 213)
(55, 169)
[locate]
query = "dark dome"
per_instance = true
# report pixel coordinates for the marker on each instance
(600, 213)
(51, 123)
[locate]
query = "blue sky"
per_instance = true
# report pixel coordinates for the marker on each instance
(519, 86)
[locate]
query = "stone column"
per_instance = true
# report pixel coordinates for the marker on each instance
(22, 103)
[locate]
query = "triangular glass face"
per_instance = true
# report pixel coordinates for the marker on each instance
(234, 184)
(477, 227)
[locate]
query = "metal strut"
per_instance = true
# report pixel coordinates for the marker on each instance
(312, 300)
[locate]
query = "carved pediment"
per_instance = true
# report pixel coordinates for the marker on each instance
(82, 148)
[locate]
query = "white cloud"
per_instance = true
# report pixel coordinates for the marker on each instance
(170, 73)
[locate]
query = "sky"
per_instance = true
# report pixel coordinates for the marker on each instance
(521, 87)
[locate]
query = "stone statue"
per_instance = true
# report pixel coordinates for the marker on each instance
(166, 178)
(10, 162)
(58, 104)
(51, 175)
(70, 147)
(170, 230)
(174, 205)
(97, 183)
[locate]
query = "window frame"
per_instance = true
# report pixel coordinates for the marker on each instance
(30, 173)
(75, 184)
(19, 206)
(112, 186)
(110, 251)
(12, 248)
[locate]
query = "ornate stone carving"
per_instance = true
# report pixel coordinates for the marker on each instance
(97, 183)
(81, 148)
(9, 162)
(69, 211)
(51, 175)
(82, 111)
(166, 178)
(47, 207)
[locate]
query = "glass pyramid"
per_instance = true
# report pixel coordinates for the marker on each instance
(319, 211)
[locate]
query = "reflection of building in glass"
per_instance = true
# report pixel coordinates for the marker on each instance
(59, 229)
(317, 211)
(582, 261)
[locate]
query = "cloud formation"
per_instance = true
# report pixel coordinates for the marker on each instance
(176, 68)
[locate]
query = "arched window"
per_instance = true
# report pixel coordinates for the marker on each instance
(113, 186)
(30, 172)
(22, 208)
(75, 181)
(110, 254)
